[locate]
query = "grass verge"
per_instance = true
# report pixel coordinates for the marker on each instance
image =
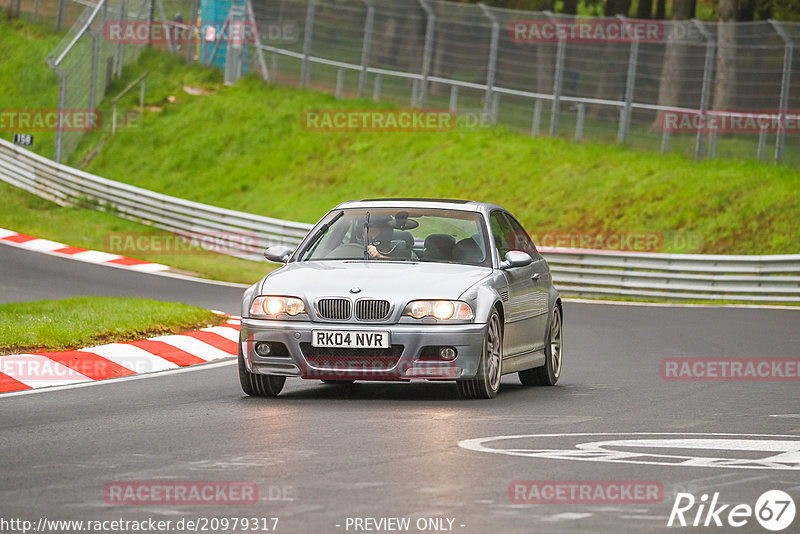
(52, 325)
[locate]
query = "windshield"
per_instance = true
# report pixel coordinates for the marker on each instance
(419, 235)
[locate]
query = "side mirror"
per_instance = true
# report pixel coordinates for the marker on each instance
(278, 253)
(516, 258)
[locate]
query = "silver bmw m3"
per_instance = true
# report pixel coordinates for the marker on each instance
(405, 289)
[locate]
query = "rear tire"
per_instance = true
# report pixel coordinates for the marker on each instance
(490, 367)
(258, 385)
(547, 375)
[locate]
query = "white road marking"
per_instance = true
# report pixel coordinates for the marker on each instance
(42, 244)
(194, 346)
(781, 454)
(131, 357)
(90, 383)
(226, 332)
(39, 371)
(566, 516)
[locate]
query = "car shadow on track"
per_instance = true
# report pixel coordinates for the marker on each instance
(407, 392)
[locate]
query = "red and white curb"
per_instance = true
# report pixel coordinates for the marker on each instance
(92, 256)
(20, 372)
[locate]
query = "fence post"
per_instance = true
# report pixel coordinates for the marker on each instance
(537, 117)
(453, 98)
(62, 95)
(427, 52)
(121, 45)
(376, 88)
(259, 52)
(366, 47)
(579, 122)
(491, 68)
(788, 52)
(60, 16)
(705, 92)
(305, 71)
(558, 77)
(762, 143)
(93, 78)
(191, 43)
(630, 84)
(339, 82)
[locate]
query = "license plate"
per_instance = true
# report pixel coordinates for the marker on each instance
(350, 339)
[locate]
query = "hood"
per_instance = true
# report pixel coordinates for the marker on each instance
(396, 281)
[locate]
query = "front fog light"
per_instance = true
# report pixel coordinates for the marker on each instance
(447, 353)
(263, 349)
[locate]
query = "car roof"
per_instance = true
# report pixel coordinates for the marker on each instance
(437, 203)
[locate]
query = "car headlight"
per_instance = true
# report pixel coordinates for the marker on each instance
(444, 310)
(272, 306)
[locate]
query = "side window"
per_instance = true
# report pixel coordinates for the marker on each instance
(520, 240)
(502, 233)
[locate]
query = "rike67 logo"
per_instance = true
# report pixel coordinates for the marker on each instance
(774, 510)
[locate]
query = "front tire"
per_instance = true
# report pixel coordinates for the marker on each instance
(547, 375)
(490, 367)
(258, 385)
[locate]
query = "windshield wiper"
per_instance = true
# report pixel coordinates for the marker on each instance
(318, 234)
(366, 231)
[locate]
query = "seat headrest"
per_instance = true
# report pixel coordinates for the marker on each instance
(468, 251)
(439, 247)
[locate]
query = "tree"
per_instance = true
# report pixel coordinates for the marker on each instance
(676, 57)
(725, 81)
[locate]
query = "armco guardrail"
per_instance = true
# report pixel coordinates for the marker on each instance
(577, 272)
(65, 185)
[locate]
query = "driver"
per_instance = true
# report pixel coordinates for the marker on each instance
(379, 237)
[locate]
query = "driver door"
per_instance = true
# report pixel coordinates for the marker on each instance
(522, 308)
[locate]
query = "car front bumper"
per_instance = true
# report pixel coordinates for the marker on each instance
(467, 339)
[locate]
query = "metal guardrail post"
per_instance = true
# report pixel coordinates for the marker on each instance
(705, 92)
(339, 82)
(491, 67)
(762, 143)
(537, 117)
(427, 53)
(630, 85)
(121, 46)
(788, 52)
(558, 77)
(274, 67)
(62, 95)
(93, 77)
(259, 52)
(366, 47)
(453, 98)
(579, 122)
(60, 16)
(376, 88)
(191, 33)
(36, 11)
(305, 72)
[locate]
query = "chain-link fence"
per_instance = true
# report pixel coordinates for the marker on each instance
(85, 61)
(540, 73)
(702, 89)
